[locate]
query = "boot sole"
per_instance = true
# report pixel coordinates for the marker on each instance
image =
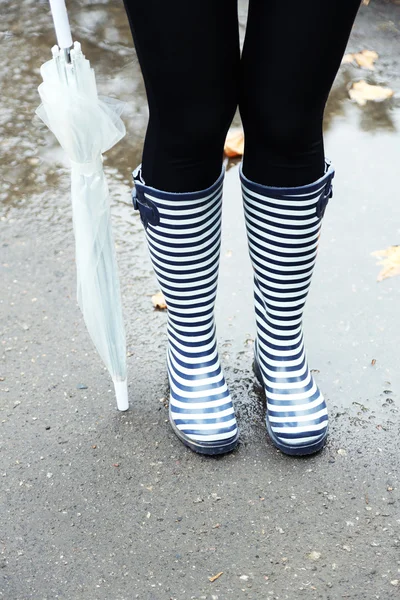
(286, 448)
(209, 448)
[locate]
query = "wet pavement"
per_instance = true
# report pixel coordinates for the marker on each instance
(97, 504)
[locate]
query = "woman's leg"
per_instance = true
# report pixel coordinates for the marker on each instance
(291, 55)
(189, 56)
(292, 52)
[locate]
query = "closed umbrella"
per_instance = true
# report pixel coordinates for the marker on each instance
(87, 125)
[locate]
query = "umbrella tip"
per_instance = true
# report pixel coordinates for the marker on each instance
(121, 392)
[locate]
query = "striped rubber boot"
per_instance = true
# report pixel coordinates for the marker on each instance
(183, 232)
(283, 227)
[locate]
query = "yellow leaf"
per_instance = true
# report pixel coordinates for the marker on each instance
(234, 143)
(158, 301)
(361, 92)
(390, 261)
(347, 58)
(214, 577)
(365, 59)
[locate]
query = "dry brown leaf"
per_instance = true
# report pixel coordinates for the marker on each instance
(365, 2)
(214, 577)
(361, 92)
(390, 261)
(158, 301)
(234, 143)
(364, 59)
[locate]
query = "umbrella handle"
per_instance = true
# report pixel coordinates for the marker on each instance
(61, 23)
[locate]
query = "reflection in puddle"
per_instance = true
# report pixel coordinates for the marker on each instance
(373, 117)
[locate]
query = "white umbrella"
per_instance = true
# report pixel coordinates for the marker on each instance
(87, 125)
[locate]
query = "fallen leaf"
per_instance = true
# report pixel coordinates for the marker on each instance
(158, 301)
(214, 577)
(373, 362)
(365, 2)
(364, 59)
(361, 92)
(234, 143)
(347, 58)
(390, 261)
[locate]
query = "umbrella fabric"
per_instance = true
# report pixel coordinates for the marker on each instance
(87, 125)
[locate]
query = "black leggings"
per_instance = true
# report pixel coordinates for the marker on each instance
(195, 78)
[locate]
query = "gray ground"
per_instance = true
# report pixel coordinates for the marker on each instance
(98, 504)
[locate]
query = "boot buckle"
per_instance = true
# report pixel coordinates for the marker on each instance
(149, 213)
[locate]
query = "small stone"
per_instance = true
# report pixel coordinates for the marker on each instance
(314, 555)
(347, 548)
(394, 582)
(49, 475)
(81, 386)
(342, 452)
(244, 577)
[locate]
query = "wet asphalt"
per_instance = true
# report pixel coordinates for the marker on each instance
(102, 505)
